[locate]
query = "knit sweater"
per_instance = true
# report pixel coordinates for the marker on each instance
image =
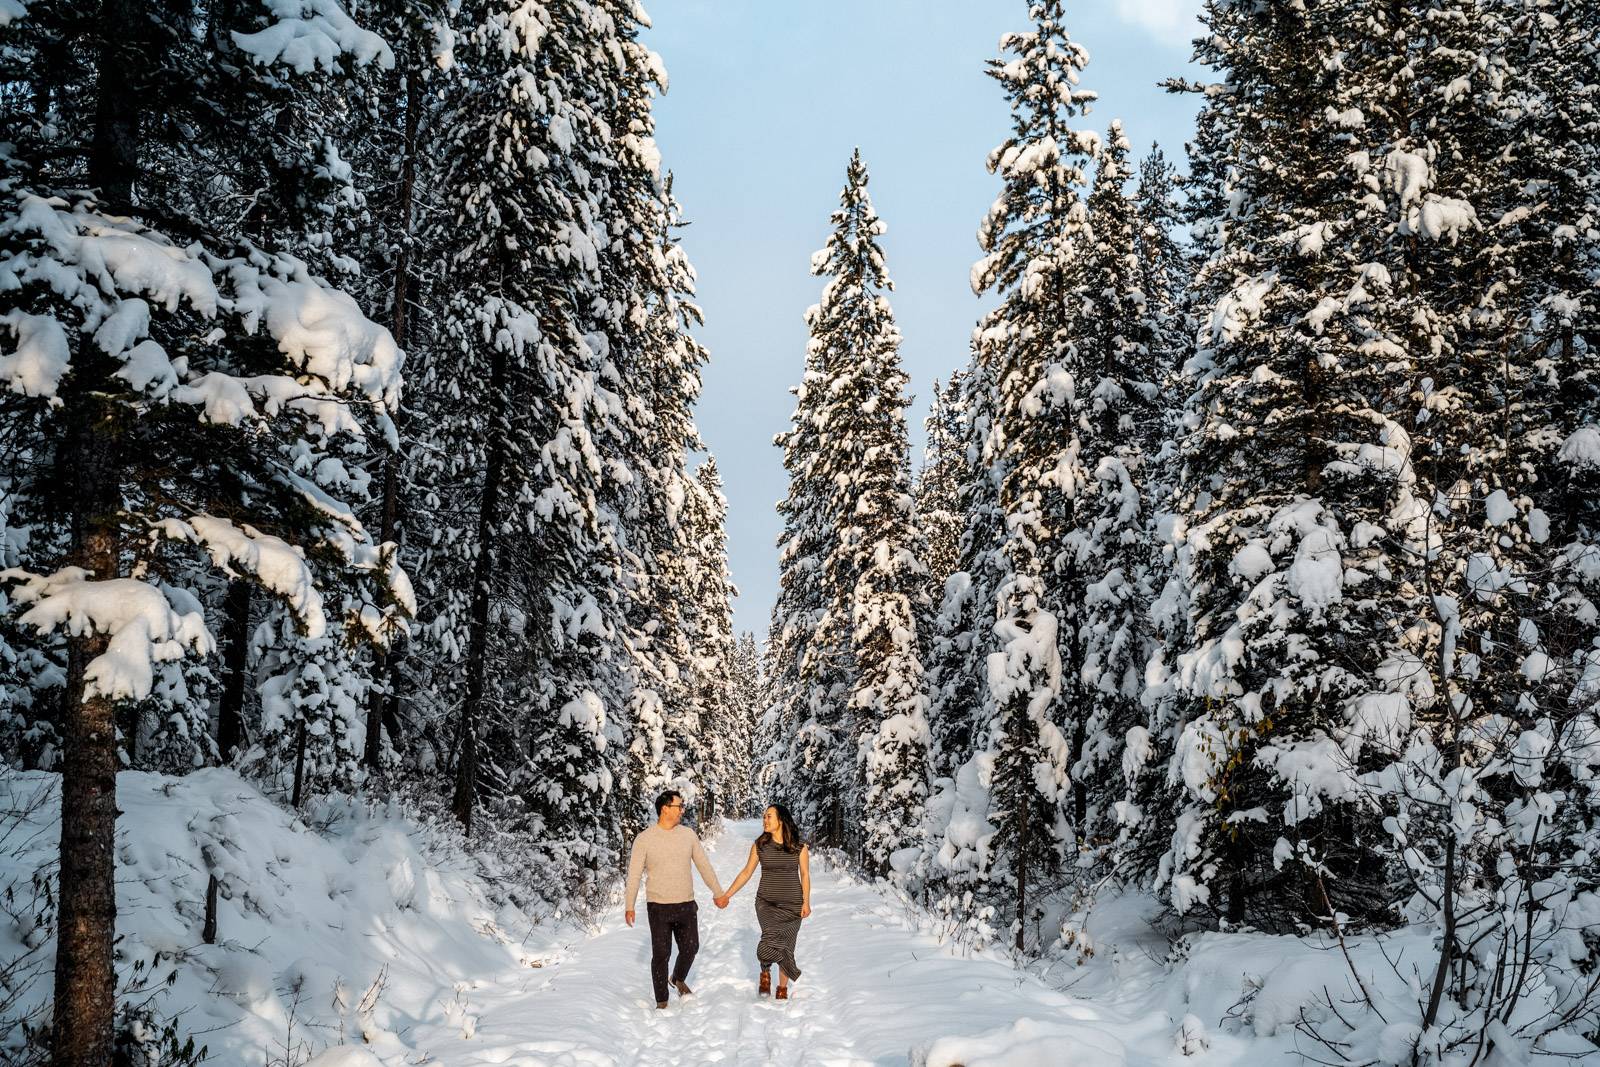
(665, 855)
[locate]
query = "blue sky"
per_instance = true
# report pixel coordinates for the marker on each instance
(765, 104)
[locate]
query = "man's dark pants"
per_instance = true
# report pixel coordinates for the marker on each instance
(669, 922)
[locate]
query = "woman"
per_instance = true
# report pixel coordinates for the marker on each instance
(782, 899)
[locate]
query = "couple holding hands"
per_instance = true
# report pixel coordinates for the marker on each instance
(663, 852)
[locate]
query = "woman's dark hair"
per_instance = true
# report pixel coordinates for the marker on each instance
(791, 832)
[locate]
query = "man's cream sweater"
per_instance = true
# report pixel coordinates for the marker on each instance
(665, 855)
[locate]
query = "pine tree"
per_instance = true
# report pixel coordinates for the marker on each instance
(162, 416)
(522, 241)
(1120, 365)
(653, 368)
(861, 660)
(750, 699)
(1486, 273)
(1163, 263)
(937, 491)
(875, 578)
(1031, 238)
(388, 134)
(963, 633)
(802, 547)
(724, 741)
(1291, 482)
(664, 544)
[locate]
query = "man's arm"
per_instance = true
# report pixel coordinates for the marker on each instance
(635, 873)
(702, 863)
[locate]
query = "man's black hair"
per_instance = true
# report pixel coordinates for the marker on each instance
(666, 798)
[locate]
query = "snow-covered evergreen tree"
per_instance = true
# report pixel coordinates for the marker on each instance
(875, 577)
(540, 717)
(1031, 238)
(750, 700)
(1164, 264)
(802, 547)
(653, 368)
(857, 686)
(1109, 547)
(170, 389)
(963, 633)
(722, 761)
(938, 490)
(1294, 487)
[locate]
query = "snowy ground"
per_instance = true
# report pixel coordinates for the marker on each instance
(351, 937)
(873, 993)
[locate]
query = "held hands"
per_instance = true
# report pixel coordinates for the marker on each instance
(722, 901)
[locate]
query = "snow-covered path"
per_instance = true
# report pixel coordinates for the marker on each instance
(872, 993)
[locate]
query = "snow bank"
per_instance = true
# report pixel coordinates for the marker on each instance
(1028, 1043)
(352, 927)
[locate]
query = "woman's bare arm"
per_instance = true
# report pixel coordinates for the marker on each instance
(744, 875)
(805, 881)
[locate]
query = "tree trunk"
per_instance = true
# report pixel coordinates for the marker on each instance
(478, 619)
(85, 988)
(1238, 893)
(114, 149)
(208, 932)
(235, 663)
(380, 700)
(1080, 789)
(85, 978)
(299, 765)
(1022, 867)
(1447, 941)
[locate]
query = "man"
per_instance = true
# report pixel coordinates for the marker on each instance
(664, 851)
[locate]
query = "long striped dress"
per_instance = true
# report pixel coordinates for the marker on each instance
(778, 900)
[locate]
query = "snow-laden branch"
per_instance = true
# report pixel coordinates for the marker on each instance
(114, 271)
(308, 34)
(145, 626)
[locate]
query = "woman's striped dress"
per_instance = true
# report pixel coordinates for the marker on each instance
(778, 900)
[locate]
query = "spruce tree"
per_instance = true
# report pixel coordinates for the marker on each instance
(1031, 239)
(724, 740)
(750, 699)
(937, 491)
(1120, 363)
(875, 578)
(803, 546)
(522, 246)
(963, 634)
(1292, 482)
(161, 412)
(861, 673)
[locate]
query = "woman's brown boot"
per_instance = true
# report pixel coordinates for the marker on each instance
(766, 983)
(783, 992)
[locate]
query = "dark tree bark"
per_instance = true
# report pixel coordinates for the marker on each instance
(114, 149)
(85, 981)
(1025, 803)
(466, 787)
(235, 663)
(299, 765)
(83, 1028)
(380, 703)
